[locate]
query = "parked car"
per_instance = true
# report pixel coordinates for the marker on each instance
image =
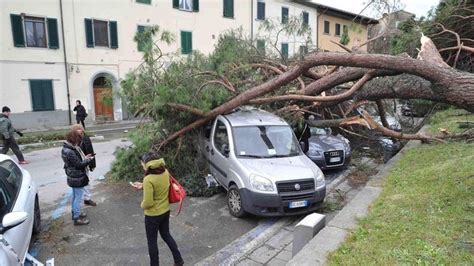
(256, 157)
(19, 211)
(328, 151)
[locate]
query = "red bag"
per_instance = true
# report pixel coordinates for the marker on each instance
(176, 193)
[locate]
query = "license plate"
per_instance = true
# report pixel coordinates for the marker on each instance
(334, 159)
(298, 204)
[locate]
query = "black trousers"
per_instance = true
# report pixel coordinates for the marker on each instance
(81, 121)
(153, 225)
(11, 143)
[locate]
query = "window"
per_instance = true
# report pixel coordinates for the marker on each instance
(284, 50)
(260, 10)
(144, 1)
(187, 5)
(34, 31)
(305, 19)
(229, 8)
(303, 50)
(101, 33)
(326, 27)
(42, 95)
(143, 38)
(186, 42)
(261, 46)
(337, 29)
(284, 15)
(10, 184)
(221, 138)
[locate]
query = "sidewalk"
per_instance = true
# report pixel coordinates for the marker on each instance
(275, 246)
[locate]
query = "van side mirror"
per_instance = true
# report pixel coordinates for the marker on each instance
(11, 220)
(225, 150)
(303, 146)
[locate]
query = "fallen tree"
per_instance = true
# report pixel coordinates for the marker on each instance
(189, 93)
(427, 77)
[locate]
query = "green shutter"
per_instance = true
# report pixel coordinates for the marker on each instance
(42, 95)
(89, 32)
(113, 34)
(186, 42)
(17, 30)
(175, 3)
(260, 10)
(229, 8)
(284, 50)
(144, 1)
(195, 5)
(53, 37)
(261, 46)
(284, 15)
(140, 43)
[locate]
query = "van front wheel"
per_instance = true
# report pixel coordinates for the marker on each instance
(234, 202)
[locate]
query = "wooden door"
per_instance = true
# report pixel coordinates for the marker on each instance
(104, 108)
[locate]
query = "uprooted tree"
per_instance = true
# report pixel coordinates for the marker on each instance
(182, 96)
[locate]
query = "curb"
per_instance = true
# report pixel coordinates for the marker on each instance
(238, 248)
(337, 230)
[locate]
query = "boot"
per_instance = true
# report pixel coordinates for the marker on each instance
(81, 221)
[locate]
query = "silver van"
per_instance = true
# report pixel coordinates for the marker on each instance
(256, 157)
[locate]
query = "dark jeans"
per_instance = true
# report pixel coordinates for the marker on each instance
(11, 143)
(160, 223)
(81, 121)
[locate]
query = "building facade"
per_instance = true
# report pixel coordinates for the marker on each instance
(55, 52)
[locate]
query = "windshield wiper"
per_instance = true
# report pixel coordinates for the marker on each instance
(252, 156)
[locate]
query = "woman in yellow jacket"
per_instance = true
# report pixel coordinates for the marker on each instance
(156, 207)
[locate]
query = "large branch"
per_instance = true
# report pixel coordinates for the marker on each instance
(243, 98)
(339, 97)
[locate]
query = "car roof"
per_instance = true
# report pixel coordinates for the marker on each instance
(4, 157)
(250, 116)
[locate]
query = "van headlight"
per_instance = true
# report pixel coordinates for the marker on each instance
(320, 179)
(260, 183)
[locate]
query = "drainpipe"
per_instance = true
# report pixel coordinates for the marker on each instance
(65, 64)
(251, 21)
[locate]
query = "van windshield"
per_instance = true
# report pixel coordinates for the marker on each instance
(265, 142)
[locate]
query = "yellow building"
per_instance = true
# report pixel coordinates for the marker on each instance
(333, 22)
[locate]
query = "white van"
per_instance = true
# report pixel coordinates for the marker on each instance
(256, 157)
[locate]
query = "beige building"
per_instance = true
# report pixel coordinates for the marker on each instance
(333, 22)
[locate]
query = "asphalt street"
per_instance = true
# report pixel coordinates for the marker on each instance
(116, 234)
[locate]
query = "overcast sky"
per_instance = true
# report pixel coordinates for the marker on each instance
(418, 7)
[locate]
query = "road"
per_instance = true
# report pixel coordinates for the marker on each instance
(116, 234)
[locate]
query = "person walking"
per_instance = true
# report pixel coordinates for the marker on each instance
(156, 207)
(81, 113)
(75, 166)
(7, 134)
(86, 147)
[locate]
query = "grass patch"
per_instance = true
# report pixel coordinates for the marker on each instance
(40, 137)
(449, 120)
(425, 214)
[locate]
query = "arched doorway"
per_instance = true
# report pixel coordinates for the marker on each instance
(103, 99)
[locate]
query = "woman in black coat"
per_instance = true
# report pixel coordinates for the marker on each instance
(75, 165)
(81, 113)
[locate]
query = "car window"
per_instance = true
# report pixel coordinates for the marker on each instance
(221, 137)
(10, 183)
(320, 131)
